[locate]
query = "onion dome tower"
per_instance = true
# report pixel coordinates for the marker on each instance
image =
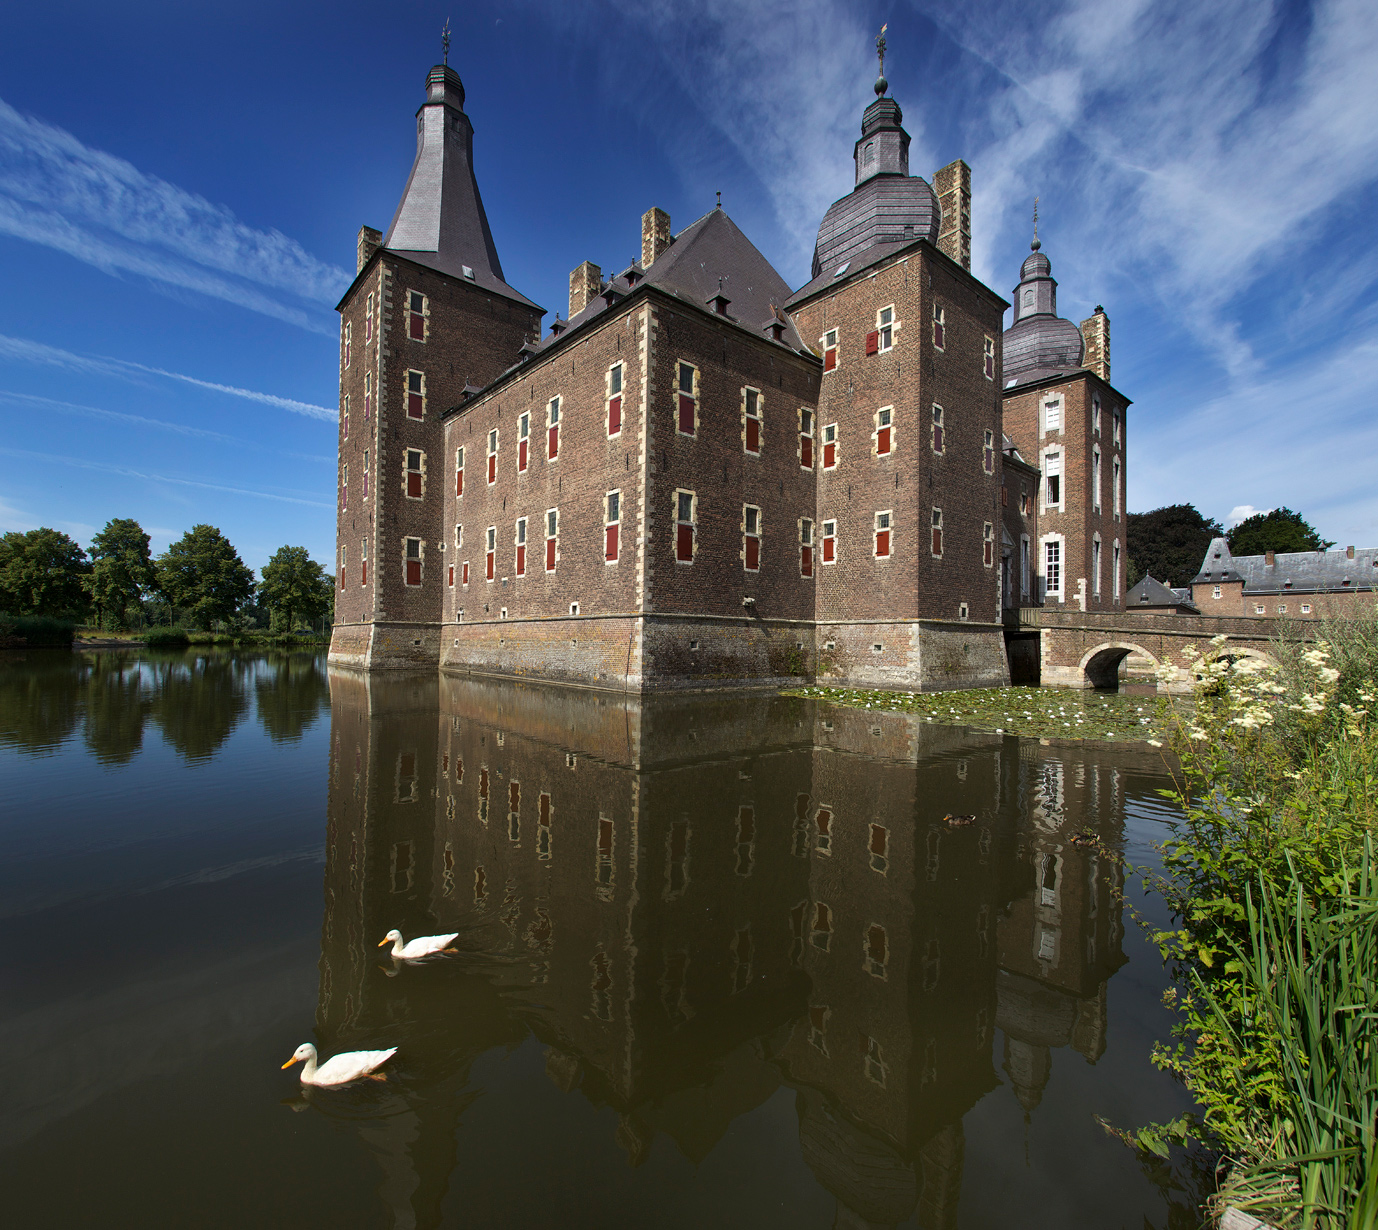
(1039, 343)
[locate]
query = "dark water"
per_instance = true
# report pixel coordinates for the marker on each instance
(721, 961)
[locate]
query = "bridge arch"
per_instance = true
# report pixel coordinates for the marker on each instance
(1101, 666)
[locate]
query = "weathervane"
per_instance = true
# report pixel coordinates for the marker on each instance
(1035, 245)
(881, 84)
(445, 40)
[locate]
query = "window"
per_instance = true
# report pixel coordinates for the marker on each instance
(1024, 566)
(523, 440)
(988, 545)
(1052, 415)
(519, 542)
(459, 471)
(1306, 608)
(363, 561)
(344, 416)
(1052, 480)
(1258, 608)
(368, 319)
(1095, 414)
(939, 328)
(686, 510)
(344, 486)
(492, 456)
(988, 451)
(937, 428)
(1215, 593)
(464, 575)
(751, 538)
(365, 473)
(1095, 565)
(552, 429)
(1282, 608)
(989, 359)
(451, 574)
(830, 447)
(882, 543)
(416, 316)
(552, 538)
(877, 951)
(612, 517)
(414, 456)
(805, 547)
(348, 341)
(805, 439)
(687, 417)
(1004, 495)
(1115, 487)
(491, 551)
(830, 350)
(344, 564)
(414, 559)
(459, 538)
(615, 399)
(830, 542)
(823, 839)
(1052, 565)
(416, 395)
(1115, 564)
(751, 421)
(1115, 421)
(1095, 478)
(938, 533)
(822, 930)
(886, 324)
(879, 847)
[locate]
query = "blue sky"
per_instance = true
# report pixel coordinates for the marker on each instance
(180, 187)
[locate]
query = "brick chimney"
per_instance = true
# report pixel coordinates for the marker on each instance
(1095, 333)
(953, 187)
(1269, 559)
(369, 242)
(585, 284)
(655, 235)
(1349, 553)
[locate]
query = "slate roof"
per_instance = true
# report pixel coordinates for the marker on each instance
(1039, 343)
(883, 209)
(1150, 594)
(440, 222)
(1306, 572)
(705, 251)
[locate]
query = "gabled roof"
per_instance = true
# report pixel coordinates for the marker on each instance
(1312, 572)
(1152, 594)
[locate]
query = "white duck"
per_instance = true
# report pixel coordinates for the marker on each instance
(343, 1068)
(421, 946)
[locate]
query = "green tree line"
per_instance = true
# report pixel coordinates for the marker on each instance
(118, 583)
(1169, 544)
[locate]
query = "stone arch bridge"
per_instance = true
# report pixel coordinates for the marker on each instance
(1082, 649)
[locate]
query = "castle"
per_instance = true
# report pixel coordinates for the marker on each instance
(860, 481)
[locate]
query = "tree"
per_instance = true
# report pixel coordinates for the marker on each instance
(42, 572)
(121, 569)
(1169, 544)
(1279, 530)
(295, 587)
(202, 575)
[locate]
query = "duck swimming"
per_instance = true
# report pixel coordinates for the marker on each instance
(421, 946)
(343, 1068)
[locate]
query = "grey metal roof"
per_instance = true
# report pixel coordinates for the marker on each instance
(440, 221)
(1307, 572)
(885, 209)
(708, 254)
(1150, 594)
(1039, 343)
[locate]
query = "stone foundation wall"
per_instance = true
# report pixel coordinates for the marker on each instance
(385, 646)
(912, 655)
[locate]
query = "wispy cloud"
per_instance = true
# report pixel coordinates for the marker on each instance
(1242, 512)
(28, 351)
(128, 472)
(98, 208)
(14, 519)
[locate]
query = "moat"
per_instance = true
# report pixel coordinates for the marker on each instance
(724, 960)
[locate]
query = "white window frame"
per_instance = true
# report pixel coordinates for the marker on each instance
(549, 537)
(608, 497)
(519, 544)
(1095, 564)
(747, 535)
(939, 327)
(1051, 414)
(680, 365)
(988, 357)
(554, 421)
(888, 528)
(1115, 564)
(1058, 456)
(619, 368)
(884, 417)
(886, 330)
(1044, 542)
(828, 535)
(693, 524)
(823, 445)
(420, 392)
(1095, 478)
(759, 416)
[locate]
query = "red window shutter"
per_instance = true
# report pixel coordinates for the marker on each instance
(464, 574)
(521, 561)
(806, 561)
(552, 442)
(414, 406)
(365, 484)
(610, 542)
(614, 415)
(937, 438)
(490, 565)
(753, 552)
(492, 468)
(882, 441)
(686, 414)
(413, 572)
(363, 573)
(684, 543)
(416, 328)
(452, 576)
(990, 367)
(990, 460)
(829, 456)
(829, 550)
(829, 359)
(937, 541)
(938, 334)
(990, 553)
(521, 456)
(459, 482)
(414, 484)
(806, 452)
(882, 542)
(550, 555)
(753, 435)
(1004, 497)
(873, 341)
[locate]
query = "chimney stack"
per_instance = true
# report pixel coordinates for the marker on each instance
(1095, 333)
(655, 235)
(1349, 553)
(369, 242)
(953, 187)
(585, 283)
(1269, 558)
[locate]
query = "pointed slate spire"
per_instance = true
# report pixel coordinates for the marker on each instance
(441, 222)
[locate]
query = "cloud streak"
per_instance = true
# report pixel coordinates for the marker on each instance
(24, 350)
(98, 208)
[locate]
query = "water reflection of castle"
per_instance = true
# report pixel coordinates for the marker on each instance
(692, 902)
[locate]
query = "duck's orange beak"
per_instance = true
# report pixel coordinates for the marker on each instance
(289, 1063)
(382, 942)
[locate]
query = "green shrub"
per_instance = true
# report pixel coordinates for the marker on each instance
(167, 638)
(36, 632)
